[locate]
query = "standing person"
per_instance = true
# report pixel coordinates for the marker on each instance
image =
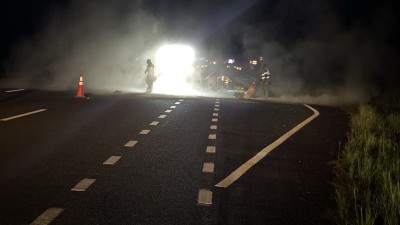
(150, 77)
(264, 81)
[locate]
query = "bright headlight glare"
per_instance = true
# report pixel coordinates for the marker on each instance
(174, 66)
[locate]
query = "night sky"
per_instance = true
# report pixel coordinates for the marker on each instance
(315, 47)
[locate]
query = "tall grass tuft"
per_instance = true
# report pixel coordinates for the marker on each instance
(368, 170)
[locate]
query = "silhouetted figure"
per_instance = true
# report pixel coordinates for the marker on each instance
(264, 81)
(150, 77)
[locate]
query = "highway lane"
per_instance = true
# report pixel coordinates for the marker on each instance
(46, 153)
(292, 185)
(157, 181)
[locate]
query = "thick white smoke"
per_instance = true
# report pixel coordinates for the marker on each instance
(329, 61)
(326, 52)
(313, 51)
(106, 41)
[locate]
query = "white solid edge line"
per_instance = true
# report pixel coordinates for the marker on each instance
(15, 90)
(22, 115)
(260, 155)
(47, 216)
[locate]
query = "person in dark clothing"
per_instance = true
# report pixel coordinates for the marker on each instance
(264, 81)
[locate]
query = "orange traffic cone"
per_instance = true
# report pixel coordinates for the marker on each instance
(79, 92)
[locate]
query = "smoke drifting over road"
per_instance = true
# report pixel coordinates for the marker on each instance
(320, 53)
(317, 51)
(107, 41)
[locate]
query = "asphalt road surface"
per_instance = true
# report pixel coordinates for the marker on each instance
(150, 159)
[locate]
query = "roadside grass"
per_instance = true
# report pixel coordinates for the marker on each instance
(367, 183)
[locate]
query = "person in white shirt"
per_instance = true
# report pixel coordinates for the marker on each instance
(150, 77)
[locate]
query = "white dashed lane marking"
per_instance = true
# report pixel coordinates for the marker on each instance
(144, 132)
(47, 216)
(112, 160)
(154, 123)
(22, 115)
(83, 185)
(168, 111)
(177, 103)
(162, 116)
(204, 197)
(173, 107)
(130, 144)
(210, 149)
(208, 167)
